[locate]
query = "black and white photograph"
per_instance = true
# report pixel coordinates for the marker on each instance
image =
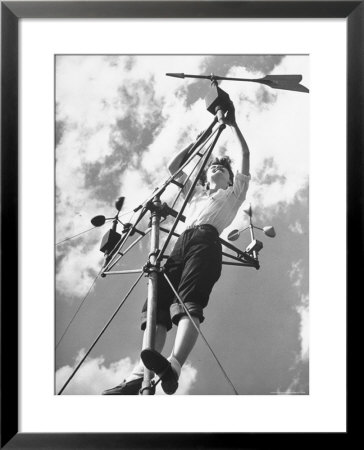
(181, 217)
(182, 224)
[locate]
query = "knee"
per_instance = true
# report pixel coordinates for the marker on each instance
(195, 310)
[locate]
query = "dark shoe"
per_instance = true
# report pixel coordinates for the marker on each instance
(158, 364)
(126, 388)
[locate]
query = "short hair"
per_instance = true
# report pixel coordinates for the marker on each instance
(225, 161)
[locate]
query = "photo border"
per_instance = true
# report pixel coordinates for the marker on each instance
(11, 13)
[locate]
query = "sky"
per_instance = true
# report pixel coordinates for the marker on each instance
(119, 119)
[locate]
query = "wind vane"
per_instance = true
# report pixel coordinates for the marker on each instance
(286, 82)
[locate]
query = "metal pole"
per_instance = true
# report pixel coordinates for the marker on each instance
(149, 341)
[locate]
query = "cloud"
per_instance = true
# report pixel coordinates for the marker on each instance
(75, 273)
(296, 228)
(119, 119)
(299, 383)
(297, 386)
(230, 66)
(94, 376)
(303, 311)
(297, 276)
(296, 273)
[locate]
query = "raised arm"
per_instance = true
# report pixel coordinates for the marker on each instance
(245, 154)
(176, 162)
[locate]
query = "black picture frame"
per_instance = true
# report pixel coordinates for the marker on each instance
(11, 13)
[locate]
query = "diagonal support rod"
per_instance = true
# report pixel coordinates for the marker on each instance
(190, 192)
(122, 241)
(116, 254)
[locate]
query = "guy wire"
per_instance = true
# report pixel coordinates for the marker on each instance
(79, 307)
(72, 237)
(82, 232)
(201, 334)
(88, 292)
(100, 334)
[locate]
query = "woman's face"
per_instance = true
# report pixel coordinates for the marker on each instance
(219, 175)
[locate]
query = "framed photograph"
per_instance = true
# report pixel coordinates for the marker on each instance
(98, 99)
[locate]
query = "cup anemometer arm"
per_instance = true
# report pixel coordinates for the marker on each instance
(253, 249)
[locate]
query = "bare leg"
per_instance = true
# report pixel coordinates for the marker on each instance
(186, 338)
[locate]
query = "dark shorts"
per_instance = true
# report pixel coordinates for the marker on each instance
(193, 268)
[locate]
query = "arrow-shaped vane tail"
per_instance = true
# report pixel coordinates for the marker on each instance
(286, 82)
(284, 78)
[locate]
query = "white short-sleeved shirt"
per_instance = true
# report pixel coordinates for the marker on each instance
(218, 209)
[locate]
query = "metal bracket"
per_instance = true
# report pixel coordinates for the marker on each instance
(150, 388)
(152, 207)
(149, 267)
(155, 253)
